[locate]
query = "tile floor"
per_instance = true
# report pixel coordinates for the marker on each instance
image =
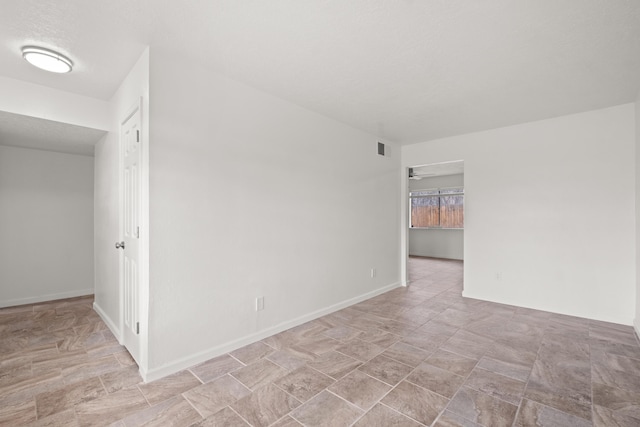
(414, 356)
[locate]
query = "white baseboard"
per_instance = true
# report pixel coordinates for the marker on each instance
(194, 359)
(115, 330)
(45, 298)
(620, 321)
(437, 256)
(636, 326)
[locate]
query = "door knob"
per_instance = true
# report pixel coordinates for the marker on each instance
(119, 245)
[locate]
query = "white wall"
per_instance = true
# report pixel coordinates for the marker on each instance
(637, 164)
(253, 196)
(550, 206)
(34, 100)
(107, 199)
(435, 242)
(46, 225)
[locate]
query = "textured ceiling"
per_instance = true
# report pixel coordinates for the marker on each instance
(408, 71)
(30, 132)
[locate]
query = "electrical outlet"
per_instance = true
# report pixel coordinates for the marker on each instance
(259, 303)
(373, 273)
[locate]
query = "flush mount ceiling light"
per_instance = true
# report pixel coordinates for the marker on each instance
(47, 59)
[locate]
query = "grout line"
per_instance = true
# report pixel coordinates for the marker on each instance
(143, 395)
(35, 407)
(236, 359)
(447, 297)
(190, 403)
(103, 386)
(236, 412)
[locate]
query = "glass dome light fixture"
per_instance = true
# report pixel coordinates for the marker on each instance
(47, 59)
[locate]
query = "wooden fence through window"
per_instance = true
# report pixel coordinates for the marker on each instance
(447, 216)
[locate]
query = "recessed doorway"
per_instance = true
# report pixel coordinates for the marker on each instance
(435, 220)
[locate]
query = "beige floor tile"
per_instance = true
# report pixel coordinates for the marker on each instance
(29, 387)
(49, 403)
(435, 379)
(496, 385)
(44, 364)
(89, 369)
(14, 371)
(165, 388)
(426, 333)
(304, 383)
(282, 340)
(361, 350)
(360, 389)
(18, 412)
(225, 417)
(342, 333)
(61, 419)
(482, 408)
(620, 402)
(513, 370)
(175, 412)
(452, 362)
(383, 416)
(289, 360)
(252, 352)
(318, 344)
(110, 408)
(122, 378)
(415, 402)
(216, 368)
(259, 374)
(326, 409)
(335, 364)
(604, 417)
(125, 358)
(213, 396)
(405, 353)
(286, 421)
(533, 413)
(265, 406)
(449, 419)
(386, 370)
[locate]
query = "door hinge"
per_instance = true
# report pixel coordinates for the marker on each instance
(137, 136)
(138, 232)
(137, 328)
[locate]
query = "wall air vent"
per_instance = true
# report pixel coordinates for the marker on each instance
(381, 148)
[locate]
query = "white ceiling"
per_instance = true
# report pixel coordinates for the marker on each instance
(30, 132)
(406, 70)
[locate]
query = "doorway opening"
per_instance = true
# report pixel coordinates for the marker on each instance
(435, 217)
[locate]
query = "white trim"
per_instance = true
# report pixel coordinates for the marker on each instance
(192, 360)
(46, 298)
(636, 327)
(144, 295)
(404, 225)
(107, 320)
(143, 244)
(435, 228)
(619, 321)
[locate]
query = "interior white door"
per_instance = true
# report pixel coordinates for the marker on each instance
(131, 147)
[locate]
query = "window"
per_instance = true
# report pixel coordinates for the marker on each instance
(437, 208)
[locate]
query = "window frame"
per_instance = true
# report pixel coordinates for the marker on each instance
(439, 196)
